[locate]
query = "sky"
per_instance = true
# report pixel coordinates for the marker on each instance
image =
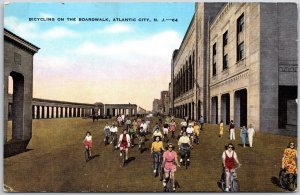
(107, 61)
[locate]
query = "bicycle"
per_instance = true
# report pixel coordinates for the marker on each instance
(157, 160)
(106, 142)
(165, 138)
(123, 156)
(132, 136)
(184, 152)
(114, 140)
(234, 182)
(87, 156)
(142, 143)
(169, 183)
(196, 140)
(287, 180)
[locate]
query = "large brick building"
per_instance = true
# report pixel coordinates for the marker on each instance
(238, 61)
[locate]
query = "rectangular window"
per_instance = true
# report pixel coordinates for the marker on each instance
(214, 69)
(225, 38)
(225, 62)
(214, 49)
(240, 51)
(240, 23)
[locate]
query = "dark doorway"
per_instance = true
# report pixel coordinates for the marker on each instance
(214, 110)
(240, 107)
(225, 108)
(287, 107)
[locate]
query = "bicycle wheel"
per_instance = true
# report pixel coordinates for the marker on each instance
(185, 161)
(235, 187)
(222, 181)
(282, 179)
(123, 158)
(161, 173)
(86, 155)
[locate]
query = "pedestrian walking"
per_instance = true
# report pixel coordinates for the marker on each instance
(243, 134)
(221, 128)
(251, 133)
(231, 131)
(201, 121)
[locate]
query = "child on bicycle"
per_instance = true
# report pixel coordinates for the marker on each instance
(88, 142)
(229, 158)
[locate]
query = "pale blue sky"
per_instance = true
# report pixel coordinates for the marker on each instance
(110, 62)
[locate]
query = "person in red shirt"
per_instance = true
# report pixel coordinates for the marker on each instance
(124, 142)
(229, 158)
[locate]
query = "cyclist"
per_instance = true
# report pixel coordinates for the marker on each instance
(113, 132)
(119, 120)
(88, 143)
(139, 122)
(132, 134)
(155, 127)
(229, 157)
(157, 133)
(156, 151)
(134, 125)
(165, 131)
(106, 131)
(144, 125)
(142, 134)
(160, 119)
(183, 124)
(289, 159)
(172, 127)
(190, 132)
(184, 144)
(197, 131)
(127, 123)
(124, 143)
(169, 157)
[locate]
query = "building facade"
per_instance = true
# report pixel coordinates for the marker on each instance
(245, 66)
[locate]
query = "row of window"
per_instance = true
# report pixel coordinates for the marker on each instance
(240, 47)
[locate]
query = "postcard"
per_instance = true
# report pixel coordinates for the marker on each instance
(150, 96)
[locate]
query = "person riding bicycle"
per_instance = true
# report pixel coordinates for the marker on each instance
(145, 126)
(156, 151)
(190, 132)
(172, 126)
(113, 132)
(155, 127)
(289, 159)
(134, 125)
(183, 124)
(160, 119)
(88, 143)
(132, 134)
(127, 123)
(165, 131)
(169, 157)
(184, 144)
(106, 131)
(124, 143)
(197, 130)
(119, 120)
(229, 157)
(157, 133)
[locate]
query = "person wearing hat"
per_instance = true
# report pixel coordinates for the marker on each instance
(169, 157)
(156, 148)
(229, 158)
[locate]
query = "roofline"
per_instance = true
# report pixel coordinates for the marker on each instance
(20, 40)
